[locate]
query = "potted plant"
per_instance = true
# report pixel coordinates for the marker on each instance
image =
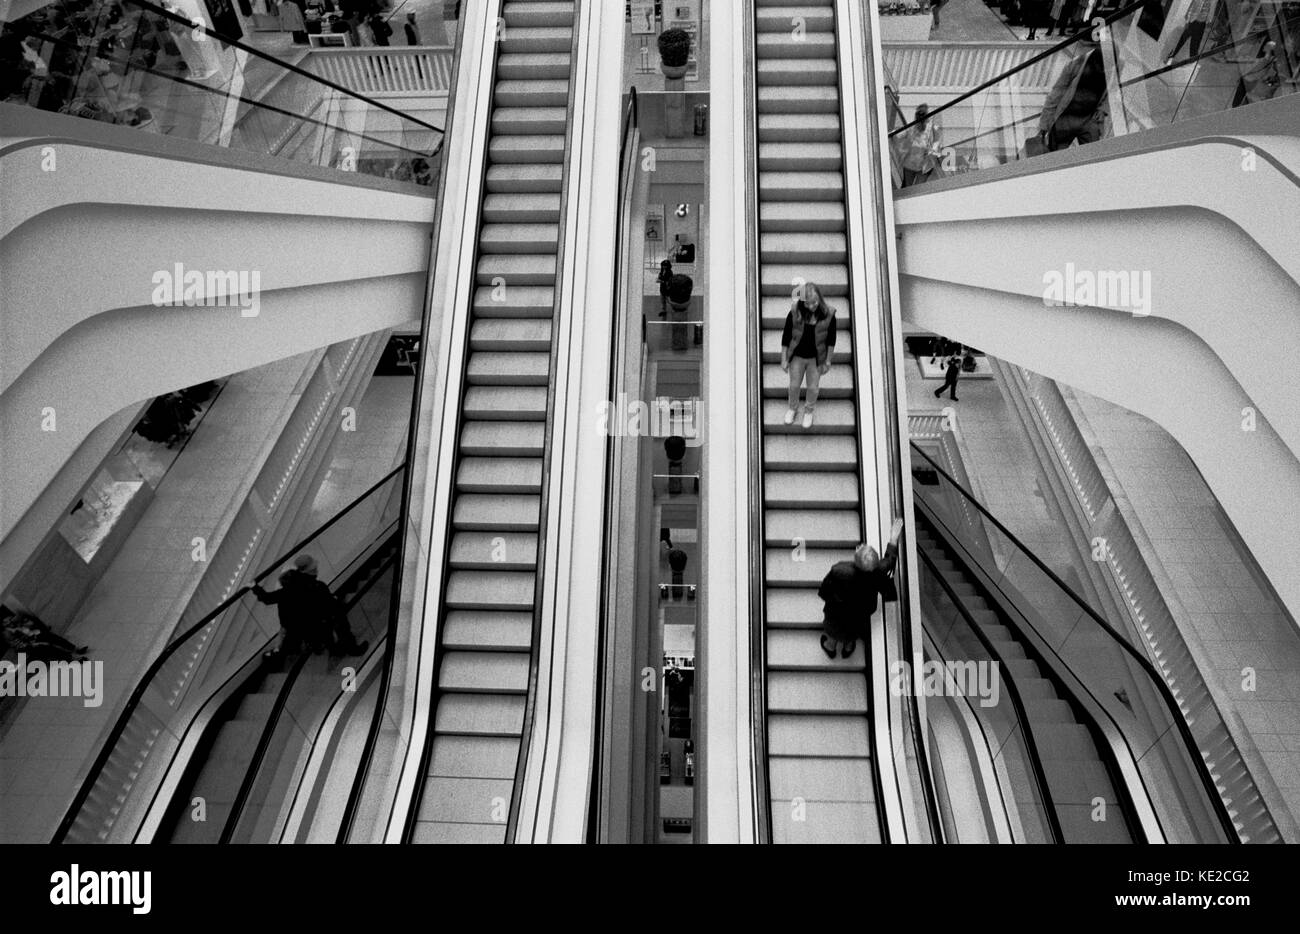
(674, 50)
(679, 292)
(679, 300)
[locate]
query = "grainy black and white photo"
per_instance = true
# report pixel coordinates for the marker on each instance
(650, 422)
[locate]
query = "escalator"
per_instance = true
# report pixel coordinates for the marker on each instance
(486, 618)
(205, 720)
(249, 762)
(819, 722)
(1107, 753)
(1129, 240)
(1076, 775)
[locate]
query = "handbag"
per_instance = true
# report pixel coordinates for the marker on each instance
(1034, 146)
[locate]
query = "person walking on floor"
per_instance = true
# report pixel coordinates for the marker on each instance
(851, 590)
(952, 370)
(806, 345)
(412, 30)
(380, 29)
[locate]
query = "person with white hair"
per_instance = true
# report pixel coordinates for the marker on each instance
(851, 590)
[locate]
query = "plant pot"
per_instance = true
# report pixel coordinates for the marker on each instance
(673, 71)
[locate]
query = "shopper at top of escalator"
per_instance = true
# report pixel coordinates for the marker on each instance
(851, 589)
(1076, 107)
(806, 344)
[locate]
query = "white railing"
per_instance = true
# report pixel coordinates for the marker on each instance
(374, 71)
(960, 66)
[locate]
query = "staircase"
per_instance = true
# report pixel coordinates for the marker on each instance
(819, 741)
(486, 631)
(1071, 760)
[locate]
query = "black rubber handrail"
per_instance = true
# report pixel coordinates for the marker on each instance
(254, 103)
(1033, 60)
(754, 441)
(137, 694)
(1205, 53)
(259, 752)
(1166, 695)
(252, 772)
(1026, 731)
(631, 122)
(893, 433)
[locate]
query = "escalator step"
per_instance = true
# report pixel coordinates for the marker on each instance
(484, 672)
(496, 512)
(787, 18)
(825, 735)
(505, 403)
(480, 715)
(488, 630)
(509, 369)
(474, 756)
(461, 801)
(503, 439)
(490, 590)
(817, 693)
(782, 72)
(495, 550)
(812, 528)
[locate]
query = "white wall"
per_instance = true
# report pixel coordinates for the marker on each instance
(79, 247)
(1223, 334)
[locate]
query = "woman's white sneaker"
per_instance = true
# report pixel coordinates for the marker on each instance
(808, 418)
(789, 417)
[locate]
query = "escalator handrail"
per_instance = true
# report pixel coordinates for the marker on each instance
(631, 123)
(886, 360)
(1027, 63)
(1026, 730)
(255, 104)
(1204, 53)
(273, 721)
(259, 752)
(1158, 682)
(757, 488)
(280, 63)
(137, 694)
(856, 263)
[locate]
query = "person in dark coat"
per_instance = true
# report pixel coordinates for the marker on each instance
(380, 29)
(951, 372)
(412, 30)
(309, 613)
(851, 590)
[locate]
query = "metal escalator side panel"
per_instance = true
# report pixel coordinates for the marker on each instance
(479, 669)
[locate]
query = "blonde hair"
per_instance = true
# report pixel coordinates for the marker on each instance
(803, 297)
